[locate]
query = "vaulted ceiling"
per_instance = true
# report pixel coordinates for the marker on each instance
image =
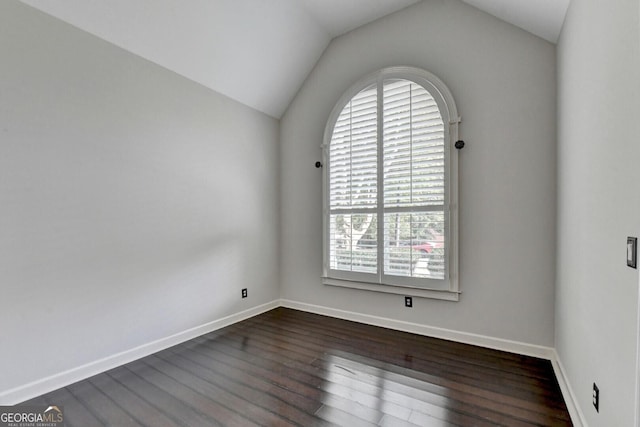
(257, 52)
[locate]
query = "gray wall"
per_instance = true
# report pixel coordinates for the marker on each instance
(598, 204)
(503, 80)
(134, 204)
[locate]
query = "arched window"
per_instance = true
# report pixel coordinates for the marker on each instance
(390, 189)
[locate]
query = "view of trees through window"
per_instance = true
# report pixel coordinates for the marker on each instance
(387, 198)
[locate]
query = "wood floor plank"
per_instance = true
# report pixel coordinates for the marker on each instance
(448, 396)
(401, 339)
(75, 413)
(227, 335)
(390, 421)
(170, 405)
(342, 418)
(291, 368)
(371, 415)
(291, 406)
(108, 412)
(529, 417)
(388, 336)
(424, 420)
(506, 385)
(229, 396)
(438, 406)
(362, 342)
(143, 412)
(205, 404)
(279, 373)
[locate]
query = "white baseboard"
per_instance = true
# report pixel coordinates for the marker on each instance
(430, 331)
(54, 382)
(577, 417)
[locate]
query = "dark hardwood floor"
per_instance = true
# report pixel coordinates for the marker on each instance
(291, 368)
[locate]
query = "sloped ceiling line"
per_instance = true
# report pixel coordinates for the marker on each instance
(257, 52)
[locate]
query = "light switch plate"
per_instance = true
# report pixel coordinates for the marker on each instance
(632, 252)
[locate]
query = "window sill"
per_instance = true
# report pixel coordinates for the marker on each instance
(398, 290)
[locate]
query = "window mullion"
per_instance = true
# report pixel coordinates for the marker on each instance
(411, 143)
(351, 153)
(411, 170)
(416, 208)
(380, 176)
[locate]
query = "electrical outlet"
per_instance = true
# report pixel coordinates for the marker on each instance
(244, 292)
(596, 397)
(408, 301)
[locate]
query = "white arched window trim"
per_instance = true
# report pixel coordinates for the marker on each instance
(449, 288)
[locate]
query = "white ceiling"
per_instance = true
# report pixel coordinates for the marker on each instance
(257, 52)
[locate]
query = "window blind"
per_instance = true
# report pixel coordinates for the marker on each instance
(405, 201)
